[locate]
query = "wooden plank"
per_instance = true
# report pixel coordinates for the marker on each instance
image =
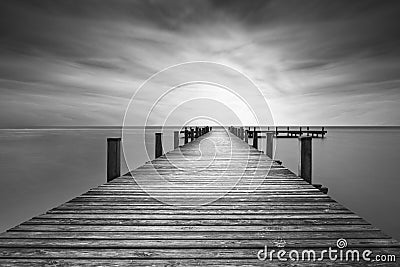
(146, 253)
(212, 228)
(184, 243)
(176, 262)
(196, 235)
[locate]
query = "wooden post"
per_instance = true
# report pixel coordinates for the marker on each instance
(246, 137)
(305, 166)
(186, 136)
(113, 158)
(191, 134)
(270, 144)
(159, 149)
(176, 139)
(255, 139)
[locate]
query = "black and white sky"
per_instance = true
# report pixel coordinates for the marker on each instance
(317, 62)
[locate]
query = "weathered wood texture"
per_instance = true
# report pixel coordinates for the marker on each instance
(113, 158)
(158, 146)
(118, 224)
(305, 166)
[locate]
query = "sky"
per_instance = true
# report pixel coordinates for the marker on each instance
(68, 63)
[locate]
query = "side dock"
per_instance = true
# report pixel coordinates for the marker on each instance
(221, 202)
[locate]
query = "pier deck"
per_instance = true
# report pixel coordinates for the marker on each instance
(118, 224)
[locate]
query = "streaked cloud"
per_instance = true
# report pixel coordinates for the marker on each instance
(317, 62)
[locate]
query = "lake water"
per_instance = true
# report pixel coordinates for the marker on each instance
(43, 168)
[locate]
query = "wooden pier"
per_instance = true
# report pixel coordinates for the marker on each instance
(118, 224)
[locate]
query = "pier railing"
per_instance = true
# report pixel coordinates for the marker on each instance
(291, 131)
(305, 140)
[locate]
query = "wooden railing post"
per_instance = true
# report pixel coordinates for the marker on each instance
(246, 136)
(176, 139)
(186, 136)
(305, 166)
(158, 147)
(113, 158)
(191, 134)
(255, 139)
(270, 144)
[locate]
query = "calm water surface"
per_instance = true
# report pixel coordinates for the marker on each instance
(41, 169)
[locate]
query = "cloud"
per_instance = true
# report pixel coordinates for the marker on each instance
(92, 55)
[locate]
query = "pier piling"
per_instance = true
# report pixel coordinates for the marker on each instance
(158, 146)
(270, 144)
(255, 139)
(113, 158)
(186, 136)
(176, 139)
(191, 134)
(305, 166)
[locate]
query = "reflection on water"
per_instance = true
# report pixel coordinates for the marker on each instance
(41, 169)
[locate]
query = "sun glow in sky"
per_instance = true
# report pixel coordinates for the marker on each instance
(315, 62)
